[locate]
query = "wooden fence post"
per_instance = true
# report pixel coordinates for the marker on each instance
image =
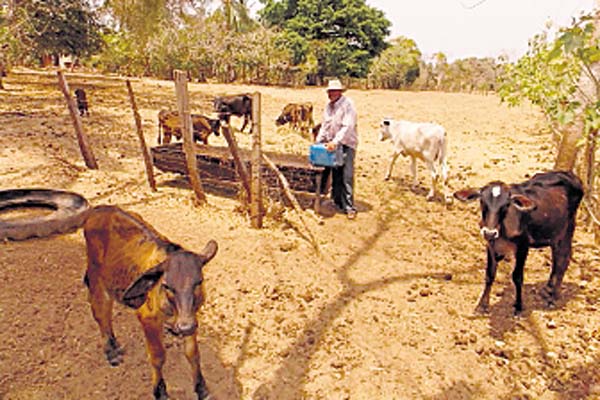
(237, 160)
(86, 150)
(256, 208)
(188, 140)
(140, 133)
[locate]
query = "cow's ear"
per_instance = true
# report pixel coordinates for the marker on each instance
(136, 294)
(522, 203)
(209, 251)
(469, 194)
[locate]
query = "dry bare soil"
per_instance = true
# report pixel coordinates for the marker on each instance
(385, 313)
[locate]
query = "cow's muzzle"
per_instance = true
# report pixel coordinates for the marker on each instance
(182, 327)
(489, 234)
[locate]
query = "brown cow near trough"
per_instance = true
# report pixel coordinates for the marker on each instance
(130, 262)
(539, 212)
(298, 115)
(169, 123)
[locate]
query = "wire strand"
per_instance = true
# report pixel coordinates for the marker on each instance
(472, 6)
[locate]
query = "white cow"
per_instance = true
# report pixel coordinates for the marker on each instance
(423, 140)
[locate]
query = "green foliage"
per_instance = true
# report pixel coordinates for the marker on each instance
(236, 16)
(342, 35)
(546, 76)
(560, 75)
(58, 27)
(463, 75)
(296, 44)
(118, 55)
(398, 66)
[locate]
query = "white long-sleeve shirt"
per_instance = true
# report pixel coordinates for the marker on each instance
(339, 123)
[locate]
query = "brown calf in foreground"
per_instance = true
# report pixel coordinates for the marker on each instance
(539, 212)
(169, 122)
(130, 262)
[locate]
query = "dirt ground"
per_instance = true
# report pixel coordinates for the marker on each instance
(385, 313)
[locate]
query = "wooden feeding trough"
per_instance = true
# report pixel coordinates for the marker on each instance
(216, 166)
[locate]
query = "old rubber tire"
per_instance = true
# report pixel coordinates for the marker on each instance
(68, 213)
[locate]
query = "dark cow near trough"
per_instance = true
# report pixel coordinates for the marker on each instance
(169, 124)
(82, 103)
(239, 105)
(298, 115)
(539, 212)
(130, 262)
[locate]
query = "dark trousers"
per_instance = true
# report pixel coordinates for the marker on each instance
(342, 181)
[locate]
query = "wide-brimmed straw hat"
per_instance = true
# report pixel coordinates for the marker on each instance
(335, 84)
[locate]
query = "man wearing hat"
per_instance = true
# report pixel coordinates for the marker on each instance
(339, 129)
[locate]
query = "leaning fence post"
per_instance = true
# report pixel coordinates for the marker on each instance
(86, 150)
(256, 209)
(140, 133)
(188, 141)
(237, 160)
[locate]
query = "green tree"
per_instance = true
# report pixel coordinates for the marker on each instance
(237, 16)
(562, 77)
(342, 35)
(398, 66)
(543, 79)
(58, 27)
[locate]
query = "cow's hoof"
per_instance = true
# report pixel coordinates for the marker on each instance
(114, 352)
(518, 313)
(482, 309)
(115, 357)
(160, 391)
(204, 395)
(551, 303)
(547, 293)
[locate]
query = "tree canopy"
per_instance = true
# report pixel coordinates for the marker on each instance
(58, 27)
(342, 35)
(398, 66)
(293, 42)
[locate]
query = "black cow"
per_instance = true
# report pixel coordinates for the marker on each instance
(82, 103)
(539, 212)
(239, 105)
